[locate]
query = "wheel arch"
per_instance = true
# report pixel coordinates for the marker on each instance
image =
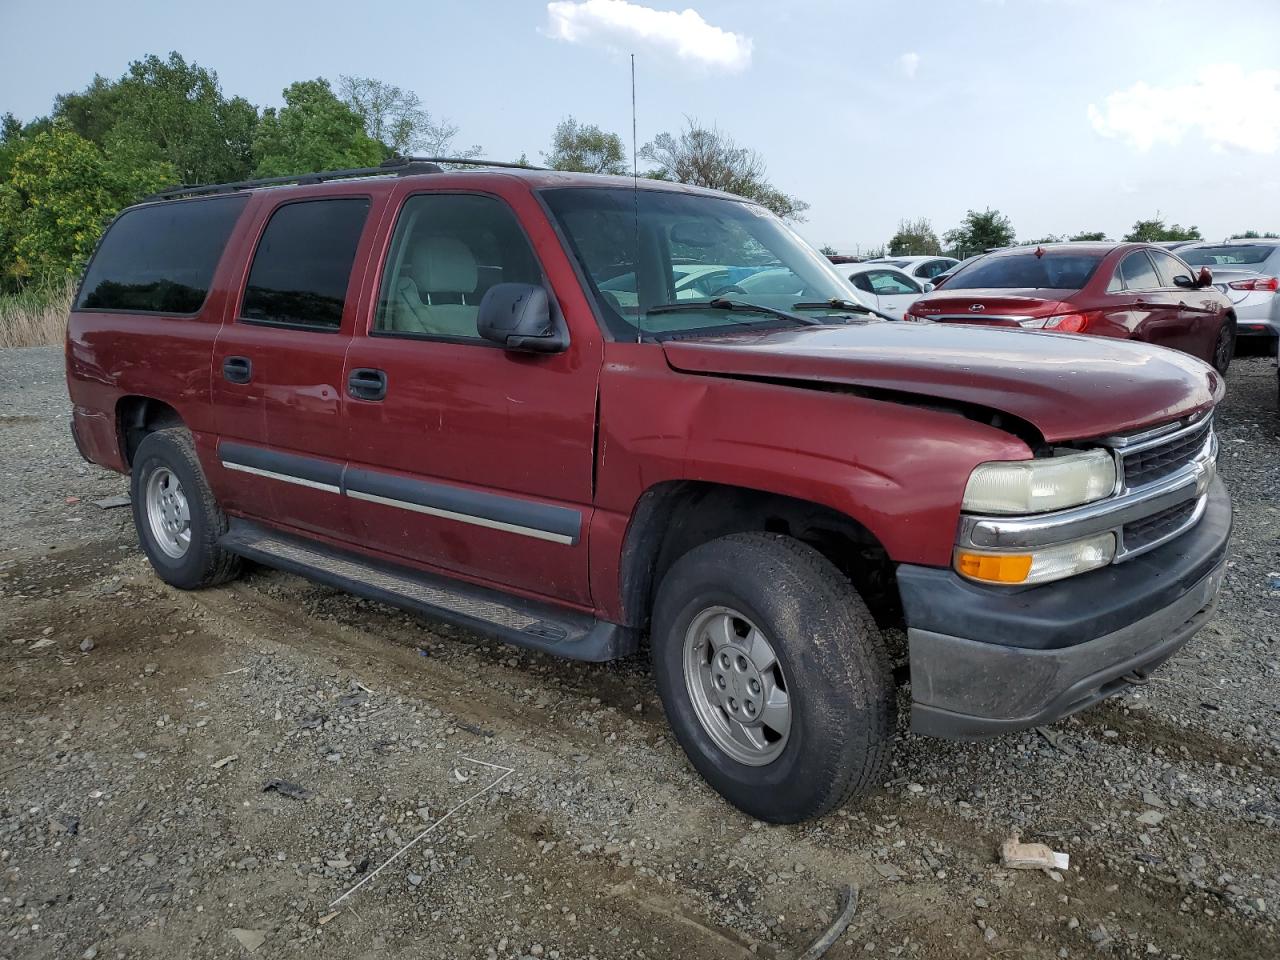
(673, 517)
(137, 416)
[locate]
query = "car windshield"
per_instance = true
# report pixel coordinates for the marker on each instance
(646, 249)
(1051, 269)
(1230, 253)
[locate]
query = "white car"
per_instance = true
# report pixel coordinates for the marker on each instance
(886, 288)
(921, 269)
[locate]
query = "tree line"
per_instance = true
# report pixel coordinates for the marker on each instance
(166, 122)
(987, 229)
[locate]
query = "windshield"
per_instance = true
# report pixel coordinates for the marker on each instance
(1059, 271)
(1232, 253)
(687, 249)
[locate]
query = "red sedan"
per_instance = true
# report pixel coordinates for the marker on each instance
(1136, 291)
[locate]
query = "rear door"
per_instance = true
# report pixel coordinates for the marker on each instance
(471, 459)
(278, 363)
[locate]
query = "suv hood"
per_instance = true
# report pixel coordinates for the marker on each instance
(1068, 387)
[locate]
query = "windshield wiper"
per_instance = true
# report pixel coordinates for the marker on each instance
(852, 306)
(720, 303)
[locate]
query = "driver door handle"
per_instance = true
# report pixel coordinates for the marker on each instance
(366, 383)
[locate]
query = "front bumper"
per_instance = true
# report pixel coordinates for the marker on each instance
(988, 660)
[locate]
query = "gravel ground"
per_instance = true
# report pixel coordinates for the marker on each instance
(140, 726)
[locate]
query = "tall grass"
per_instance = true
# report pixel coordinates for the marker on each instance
(36, 316)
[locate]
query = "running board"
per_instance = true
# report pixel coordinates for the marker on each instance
(515, 620)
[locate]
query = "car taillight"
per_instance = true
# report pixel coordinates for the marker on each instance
(1063, 322)
(1261, 284)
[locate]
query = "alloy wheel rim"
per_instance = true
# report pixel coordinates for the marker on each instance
(168, 514)
(735, 682)
(1221, 353)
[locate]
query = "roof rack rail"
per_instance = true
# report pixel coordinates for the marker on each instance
(394, 166)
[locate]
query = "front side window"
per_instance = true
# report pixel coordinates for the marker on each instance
(1169, 268)
(448, 250)
(1137, 273)
(302, 267)
(887, 284)
(1028, 270)
(646, 251)
(160, 258)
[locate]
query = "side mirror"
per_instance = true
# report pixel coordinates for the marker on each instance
(1182, 280)
(929, 286)
(1205, 278)
(518, 316)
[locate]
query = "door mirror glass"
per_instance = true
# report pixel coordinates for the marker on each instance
(1182, 280)
(518, 316)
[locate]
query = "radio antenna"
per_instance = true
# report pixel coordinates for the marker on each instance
(635, 192)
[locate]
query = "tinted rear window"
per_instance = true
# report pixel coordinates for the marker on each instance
(303, 263)
(1059, 271)
(160, 258)
(1233, 253)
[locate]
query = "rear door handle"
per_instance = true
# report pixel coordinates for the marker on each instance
(364, 383)
(237, 369)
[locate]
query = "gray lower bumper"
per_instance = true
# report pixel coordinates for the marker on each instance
(965, 689)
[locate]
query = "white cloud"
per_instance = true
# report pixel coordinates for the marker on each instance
(909, 63)
(1227, 105)
(620, 25)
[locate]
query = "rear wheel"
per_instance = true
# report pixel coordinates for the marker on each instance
(1224, 346)
(774, 676)
(177, 518)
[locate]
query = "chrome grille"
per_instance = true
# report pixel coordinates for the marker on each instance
(1158, 460)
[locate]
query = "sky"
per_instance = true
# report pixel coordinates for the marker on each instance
(1067, 115)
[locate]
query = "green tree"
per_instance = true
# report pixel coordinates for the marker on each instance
(585, 148)
(915, 238)
(1255, 235)
(167, 110)
(1047, 238)
(1155, 231)
(314, 130)
(981, 231)
(61, 191)
(1094, 235)
(397, 118)
(827, 250)
(706, 157)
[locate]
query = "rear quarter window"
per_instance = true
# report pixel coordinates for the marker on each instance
(160, 258)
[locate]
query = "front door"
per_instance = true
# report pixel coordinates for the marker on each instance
(472, 459)
(278, 363)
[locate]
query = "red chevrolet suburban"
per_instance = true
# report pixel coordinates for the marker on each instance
(544, 406)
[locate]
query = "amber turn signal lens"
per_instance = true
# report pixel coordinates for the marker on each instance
(994, 568)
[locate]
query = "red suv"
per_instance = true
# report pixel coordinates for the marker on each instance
(1137, 291)
(422, 387)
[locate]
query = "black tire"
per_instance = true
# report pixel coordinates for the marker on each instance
(837, 672)
(204, 564)
(1224, 346)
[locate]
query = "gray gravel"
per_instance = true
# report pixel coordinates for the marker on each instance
(140, 726)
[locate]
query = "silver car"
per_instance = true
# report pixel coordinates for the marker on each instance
(1247, 271)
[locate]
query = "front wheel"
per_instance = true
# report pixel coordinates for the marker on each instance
(774, 676)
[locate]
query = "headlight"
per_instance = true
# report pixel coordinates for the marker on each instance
(1040, 565)
(1037, 486)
